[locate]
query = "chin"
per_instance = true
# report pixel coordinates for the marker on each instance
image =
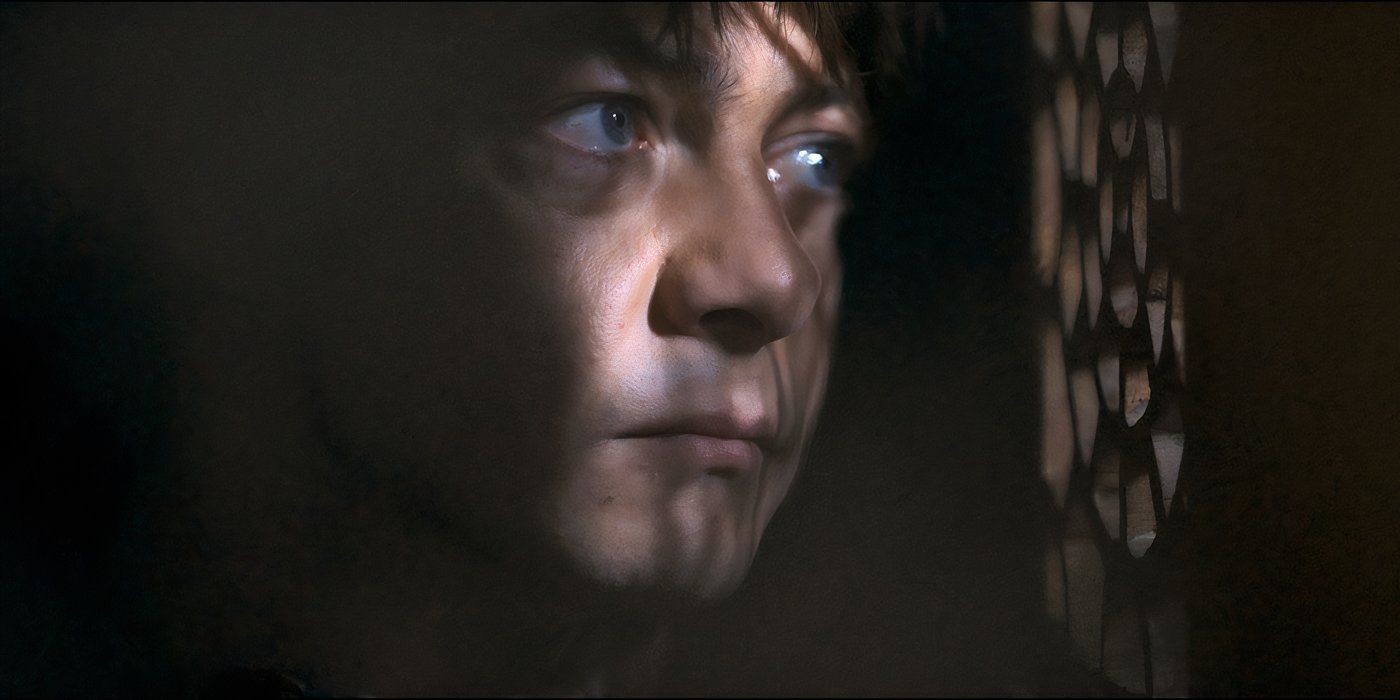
(675, 580)
(678, 553)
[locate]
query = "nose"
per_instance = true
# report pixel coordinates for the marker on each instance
(734, 273)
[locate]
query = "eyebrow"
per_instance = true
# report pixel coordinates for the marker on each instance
(700, 71)
(812, 96)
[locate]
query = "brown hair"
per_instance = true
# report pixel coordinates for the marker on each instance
(879, 41)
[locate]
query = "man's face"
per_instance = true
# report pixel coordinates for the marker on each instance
(653, 292)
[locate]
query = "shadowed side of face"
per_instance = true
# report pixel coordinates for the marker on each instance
(597, 313)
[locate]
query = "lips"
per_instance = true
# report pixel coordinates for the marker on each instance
(722, 444)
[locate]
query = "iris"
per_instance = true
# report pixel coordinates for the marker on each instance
(597, 127)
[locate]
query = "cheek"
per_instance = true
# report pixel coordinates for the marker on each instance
(613, 276)
(554, 177)
(609, 279)
(603, 248)
(597, 274)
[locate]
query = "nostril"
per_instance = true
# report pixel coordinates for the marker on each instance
(735, 329)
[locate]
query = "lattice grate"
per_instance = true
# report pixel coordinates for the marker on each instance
(1105, 203)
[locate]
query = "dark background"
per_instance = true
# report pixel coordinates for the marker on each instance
(907, 559)
(1292, 237)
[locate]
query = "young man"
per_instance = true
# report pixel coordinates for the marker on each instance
(500, 330)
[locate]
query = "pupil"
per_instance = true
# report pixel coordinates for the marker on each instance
(615, 125)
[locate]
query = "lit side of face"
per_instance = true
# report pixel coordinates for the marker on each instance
(690, 212)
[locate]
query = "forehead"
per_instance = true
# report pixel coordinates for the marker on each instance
(701, 42)
(753, 58)
(750, 35)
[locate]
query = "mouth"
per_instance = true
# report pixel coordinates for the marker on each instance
(721, 445)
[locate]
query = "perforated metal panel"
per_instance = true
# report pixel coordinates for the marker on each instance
(1105, 200)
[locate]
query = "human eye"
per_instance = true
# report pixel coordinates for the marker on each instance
(820, 164)
(601, 127)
